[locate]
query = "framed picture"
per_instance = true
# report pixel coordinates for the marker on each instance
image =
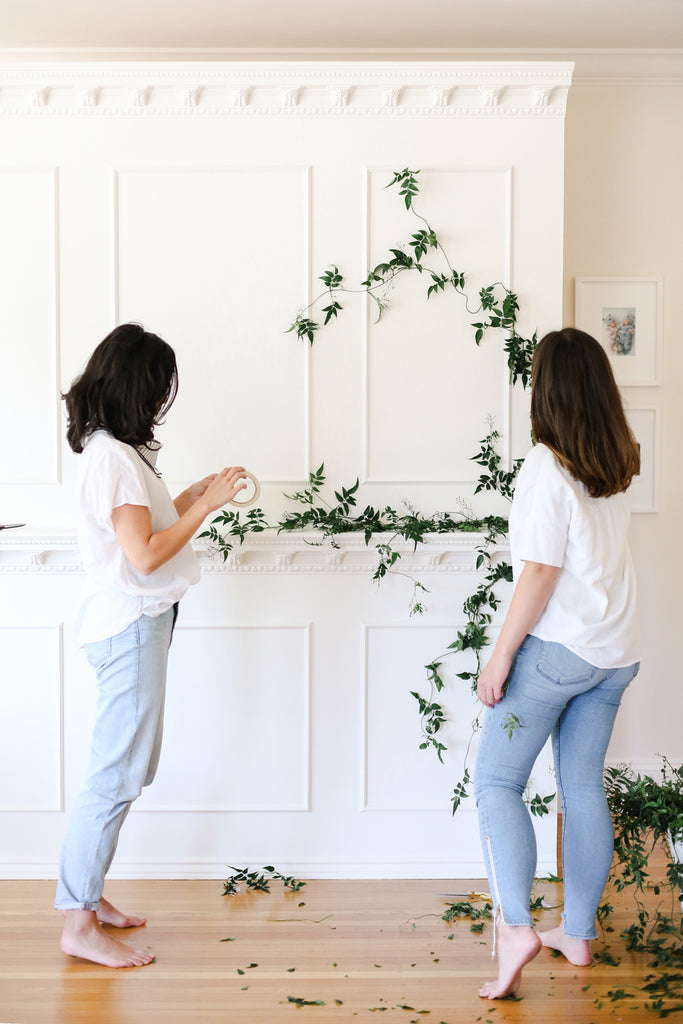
(625, 315)
(644, 490)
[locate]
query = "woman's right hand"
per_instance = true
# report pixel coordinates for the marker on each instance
(223, 488)
(492, 679)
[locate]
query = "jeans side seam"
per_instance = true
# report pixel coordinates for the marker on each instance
(499, 908)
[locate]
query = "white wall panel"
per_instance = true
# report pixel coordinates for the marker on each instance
(398, 775)
(31, 719)
(238, 710)
(211, 259)
(29, 399)
(205, 201)
(428, 387)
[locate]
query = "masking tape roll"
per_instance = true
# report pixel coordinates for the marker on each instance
(253, 498)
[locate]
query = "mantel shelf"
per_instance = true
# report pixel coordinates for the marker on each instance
(34, 550)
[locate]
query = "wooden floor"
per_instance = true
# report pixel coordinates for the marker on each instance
(373, 951)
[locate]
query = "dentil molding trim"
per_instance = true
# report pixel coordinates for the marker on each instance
(402, 89)
(35, 552)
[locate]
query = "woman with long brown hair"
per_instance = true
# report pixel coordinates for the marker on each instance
(566, 653)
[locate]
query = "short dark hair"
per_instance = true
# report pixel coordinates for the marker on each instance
(576, 410)
(129, 383)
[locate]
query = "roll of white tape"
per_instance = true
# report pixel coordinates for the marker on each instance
(252, 498)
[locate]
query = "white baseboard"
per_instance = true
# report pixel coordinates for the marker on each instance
(299, 869)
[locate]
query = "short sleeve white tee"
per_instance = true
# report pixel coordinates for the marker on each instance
(116, 594)
(553, 520)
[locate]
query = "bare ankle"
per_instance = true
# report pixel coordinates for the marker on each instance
(77, 921)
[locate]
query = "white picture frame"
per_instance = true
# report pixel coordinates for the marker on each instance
(625, 315)
(643, 494)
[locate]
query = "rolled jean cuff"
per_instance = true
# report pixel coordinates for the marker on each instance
(574, 934)
(94, 905)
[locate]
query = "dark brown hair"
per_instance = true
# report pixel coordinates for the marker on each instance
(129, 383)
(576, 410)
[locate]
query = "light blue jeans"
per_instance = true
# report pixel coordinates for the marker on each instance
(554, 693)
(126, 744)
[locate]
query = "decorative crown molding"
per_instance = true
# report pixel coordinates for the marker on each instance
(405, 89)
(300, 553)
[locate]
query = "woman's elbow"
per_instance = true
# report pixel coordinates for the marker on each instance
(148, 569)
(143, 562)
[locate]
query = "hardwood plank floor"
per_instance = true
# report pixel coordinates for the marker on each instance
(373, 951)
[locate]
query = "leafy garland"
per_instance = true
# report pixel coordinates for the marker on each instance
(258, 881)
(639, 807)
(497, 308)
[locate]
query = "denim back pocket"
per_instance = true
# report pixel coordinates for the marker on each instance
(562, 666)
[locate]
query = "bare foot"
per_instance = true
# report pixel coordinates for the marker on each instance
(83, 936)
(517, 945)
(108, 914)
(577, 951)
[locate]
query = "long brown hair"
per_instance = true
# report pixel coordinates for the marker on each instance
(576, 410)
(130, 382)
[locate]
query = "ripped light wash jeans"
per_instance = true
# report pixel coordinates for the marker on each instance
(126, 744)
(554, 693)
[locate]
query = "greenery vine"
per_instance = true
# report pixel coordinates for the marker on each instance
(645, 812)
(258, 881)
(497, 308)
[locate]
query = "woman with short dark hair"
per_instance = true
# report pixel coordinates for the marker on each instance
(135, 547)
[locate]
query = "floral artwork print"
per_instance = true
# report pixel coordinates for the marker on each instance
(619, 325)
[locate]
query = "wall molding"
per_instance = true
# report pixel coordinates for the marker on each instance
(272, 88)
(592, 65)
(30, 747)
(368, 475)
(35, 552)
(250, 806)
(51, 172)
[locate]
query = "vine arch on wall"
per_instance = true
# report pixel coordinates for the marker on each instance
(497, 308)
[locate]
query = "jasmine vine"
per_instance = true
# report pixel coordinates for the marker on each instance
(497, 308)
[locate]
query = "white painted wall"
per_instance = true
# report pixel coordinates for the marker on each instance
(623, 218)
(204, 201)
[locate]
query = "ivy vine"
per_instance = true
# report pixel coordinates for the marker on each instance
(497, 308)
(638, 806)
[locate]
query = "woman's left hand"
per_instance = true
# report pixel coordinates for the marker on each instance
(199, 488)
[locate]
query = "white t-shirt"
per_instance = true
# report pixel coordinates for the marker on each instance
(553, 520)
(116, 594)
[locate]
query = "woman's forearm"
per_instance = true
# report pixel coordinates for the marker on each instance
(531, 594)
(147, 550)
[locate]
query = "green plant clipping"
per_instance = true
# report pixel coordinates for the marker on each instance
(299, 1001)
(258, 881)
